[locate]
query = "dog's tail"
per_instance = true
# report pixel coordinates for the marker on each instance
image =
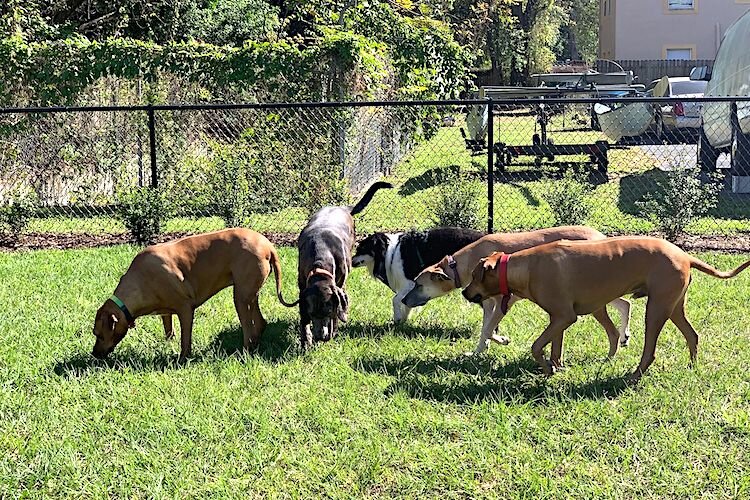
(276, 265)
(361, 204)
(705, 268)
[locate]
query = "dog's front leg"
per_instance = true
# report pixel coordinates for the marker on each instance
(186, 332)
(555, 329)
(400, 310)
(166, 320)
(491, 316)
(305, 331)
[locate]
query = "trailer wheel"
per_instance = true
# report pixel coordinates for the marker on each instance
(707, 154)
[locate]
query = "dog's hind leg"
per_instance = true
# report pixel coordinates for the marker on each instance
(166, 320)
(657, 314)
(623, 307)
(248, 312)
(186, 332)
(682, 323)
(612, 333)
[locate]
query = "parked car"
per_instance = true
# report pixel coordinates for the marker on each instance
(677, 116)
(726, 126)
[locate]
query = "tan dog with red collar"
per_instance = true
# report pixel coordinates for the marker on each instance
(571, 278)
(454, 272)
(177, 277)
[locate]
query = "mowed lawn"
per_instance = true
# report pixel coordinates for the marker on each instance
(378, 412)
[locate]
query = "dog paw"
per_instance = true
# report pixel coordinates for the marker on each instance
(501, 339)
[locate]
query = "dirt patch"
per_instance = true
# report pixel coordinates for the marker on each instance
(736, 243)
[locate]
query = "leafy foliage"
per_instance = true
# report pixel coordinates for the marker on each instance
(143, 211)
(57, 72)
(15, 214)
(457, 203)
(569, 199)
(680, 198)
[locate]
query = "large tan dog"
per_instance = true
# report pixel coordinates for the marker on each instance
(177, 277)
(571, 278)
(444, 277)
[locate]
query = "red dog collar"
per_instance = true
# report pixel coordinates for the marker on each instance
(503, 278)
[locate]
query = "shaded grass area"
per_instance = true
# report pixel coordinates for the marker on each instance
(518, 202)
(381, 411)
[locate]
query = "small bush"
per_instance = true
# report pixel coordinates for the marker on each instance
(680, 198)
(569, 199)
(230, 191)
(15, 214)
(457, 203)
(143, 210)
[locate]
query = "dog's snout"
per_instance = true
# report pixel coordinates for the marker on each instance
(476, 298)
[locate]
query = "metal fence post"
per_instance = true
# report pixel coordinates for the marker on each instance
(490, 168)
(152, 146)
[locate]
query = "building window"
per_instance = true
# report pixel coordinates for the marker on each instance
(681, 4)
(679, 54)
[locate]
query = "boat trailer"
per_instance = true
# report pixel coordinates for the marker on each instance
(542, 147)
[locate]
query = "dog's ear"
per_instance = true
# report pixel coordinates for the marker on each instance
(488, 263)
(381, 241)
(439, 275)
(112, 322)
(342, 309)
(481, 268)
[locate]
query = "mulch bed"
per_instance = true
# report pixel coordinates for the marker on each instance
(65, 241)
(737, 243)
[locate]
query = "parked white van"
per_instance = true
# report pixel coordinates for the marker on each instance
(726, 126)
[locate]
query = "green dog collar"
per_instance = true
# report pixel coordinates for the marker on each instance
(128, 317)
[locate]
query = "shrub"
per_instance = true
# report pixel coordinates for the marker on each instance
(569, 199)
(229, 189)
(15, 214)
(457, 203)
(679, 199)
(143, 211)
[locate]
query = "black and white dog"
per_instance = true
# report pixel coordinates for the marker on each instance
(397, 258)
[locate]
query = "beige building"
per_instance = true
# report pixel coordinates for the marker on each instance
(665, 29)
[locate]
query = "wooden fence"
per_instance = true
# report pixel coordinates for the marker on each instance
(647, 71)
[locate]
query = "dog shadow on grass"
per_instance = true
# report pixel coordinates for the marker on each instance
(276, 345)
(466, 380)
(405, 330)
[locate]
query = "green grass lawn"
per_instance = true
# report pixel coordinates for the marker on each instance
(518, 201)
(378, 412)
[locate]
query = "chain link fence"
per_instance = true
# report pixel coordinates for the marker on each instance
(625, 166)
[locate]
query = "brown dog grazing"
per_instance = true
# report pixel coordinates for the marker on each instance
(177, 277)
(571, 278)
(454, 272)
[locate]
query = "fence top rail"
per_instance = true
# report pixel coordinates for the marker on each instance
(362, 104)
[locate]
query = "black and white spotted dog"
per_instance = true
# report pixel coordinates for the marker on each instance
(397, 258)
